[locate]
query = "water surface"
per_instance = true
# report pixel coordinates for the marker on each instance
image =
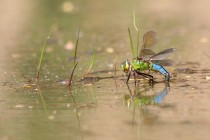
(102, 107)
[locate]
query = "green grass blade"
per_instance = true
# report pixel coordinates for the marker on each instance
(134, 21)
(75, 59)
(131, 42)
(42, 53)
(137, 45)
(92, 62)
(75, 52)
(137, 30)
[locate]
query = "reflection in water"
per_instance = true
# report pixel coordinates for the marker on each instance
(138, 98)
(82, 107)
(141, 98)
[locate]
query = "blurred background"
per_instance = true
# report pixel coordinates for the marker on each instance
(100, 109)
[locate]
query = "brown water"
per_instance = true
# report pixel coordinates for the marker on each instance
(102, 107)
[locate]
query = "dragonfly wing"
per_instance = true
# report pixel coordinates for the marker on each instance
(149, 39)
(164, 62)
(161, 55)
(146, 54)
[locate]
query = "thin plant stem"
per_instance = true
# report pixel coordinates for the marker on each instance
(137, 45)
(42, 54)
(92, 62)
(75, 52)
(72, 73)
(134, 21)
(131, 42)
(137, 30)
(75, 59)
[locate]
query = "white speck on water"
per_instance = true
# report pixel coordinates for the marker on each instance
(19, 106)
(110, 65)
(207, 77)
(204, 40)
(67, 7)
(51, 117)
(30, 106)
(188, 76)
(54, 112)
(109, 50)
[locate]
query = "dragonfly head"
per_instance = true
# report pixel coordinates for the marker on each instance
(125, 66)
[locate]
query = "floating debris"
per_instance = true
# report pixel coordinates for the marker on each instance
(28, 85)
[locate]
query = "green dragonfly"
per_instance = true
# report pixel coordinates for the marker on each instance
(148, 60)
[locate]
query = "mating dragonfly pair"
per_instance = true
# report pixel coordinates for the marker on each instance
(148, 60)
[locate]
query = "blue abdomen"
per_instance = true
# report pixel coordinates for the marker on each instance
(160, 68)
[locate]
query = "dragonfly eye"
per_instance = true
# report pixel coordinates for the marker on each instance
(125, 66)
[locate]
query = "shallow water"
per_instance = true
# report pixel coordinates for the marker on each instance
(102, 106)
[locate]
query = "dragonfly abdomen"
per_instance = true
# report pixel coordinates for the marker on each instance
(160, 68)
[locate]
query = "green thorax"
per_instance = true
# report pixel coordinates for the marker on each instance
(140, 64)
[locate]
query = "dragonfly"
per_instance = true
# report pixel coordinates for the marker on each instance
(148, 60)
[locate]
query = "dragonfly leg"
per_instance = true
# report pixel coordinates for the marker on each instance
(167, 77)
(135, 75)
(145, 75)
(149, 76)
(129, 75)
